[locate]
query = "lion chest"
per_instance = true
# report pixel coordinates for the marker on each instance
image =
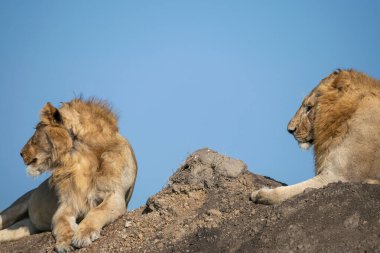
(86, 191)
(356, 157)
(80, 191)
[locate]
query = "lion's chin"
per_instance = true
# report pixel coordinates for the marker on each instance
(305, 145)
(33, 171)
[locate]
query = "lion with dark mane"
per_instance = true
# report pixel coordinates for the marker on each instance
(341, 118)
(93, 175)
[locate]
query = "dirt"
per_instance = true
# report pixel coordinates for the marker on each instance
(206, 208)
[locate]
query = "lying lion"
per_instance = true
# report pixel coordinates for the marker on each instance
(341, 118)
(93, 174)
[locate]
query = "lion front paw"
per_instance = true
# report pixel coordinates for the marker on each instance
(84, 237)
(63, 248)
(265, 196)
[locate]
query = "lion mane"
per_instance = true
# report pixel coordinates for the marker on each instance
(93, 172)
(341, 118)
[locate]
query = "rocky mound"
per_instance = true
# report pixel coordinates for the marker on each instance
(206, 208)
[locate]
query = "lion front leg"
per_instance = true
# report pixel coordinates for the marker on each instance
(89, 229)
(64, 226)
(273, 196)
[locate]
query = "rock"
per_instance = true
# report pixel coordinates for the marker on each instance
(206, 208)
(230, 167)
(205, 168)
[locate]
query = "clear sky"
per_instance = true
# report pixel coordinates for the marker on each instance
(181, 75)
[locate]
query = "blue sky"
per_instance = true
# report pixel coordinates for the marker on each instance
(181, 75)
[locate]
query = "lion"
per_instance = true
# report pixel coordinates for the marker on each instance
(93, 173)
(341, 118)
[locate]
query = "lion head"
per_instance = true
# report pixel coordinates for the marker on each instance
(302, 123)
(50, 141)
(323, 111)
(322, 116)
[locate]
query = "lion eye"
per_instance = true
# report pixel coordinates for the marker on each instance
(307, 108)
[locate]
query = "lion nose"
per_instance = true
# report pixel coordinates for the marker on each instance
(291, 130)
(22, 155)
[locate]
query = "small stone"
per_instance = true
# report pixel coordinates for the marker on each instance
(307, 190)
(352, 222)
(214, 212)
(176, 188)
(140, 236)
(208, 219)
(128, 224)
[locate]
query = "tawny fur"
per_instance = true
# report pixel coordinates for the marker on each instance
(93, 174)
(341, 118)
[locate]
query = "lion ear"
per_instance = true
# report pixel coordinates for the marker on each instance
(341, 82)
(50, 115)
(340, 86)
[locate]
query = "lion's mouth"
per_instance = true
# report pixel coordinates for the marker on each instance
(33, 161)
(300, 138)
